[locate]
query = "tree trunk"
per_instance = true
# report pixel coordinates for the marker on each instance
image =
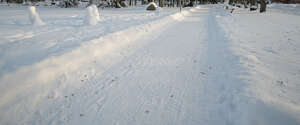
(91, 2)
(252, 2)
(75, 2)
(263, 6)
(160, 3)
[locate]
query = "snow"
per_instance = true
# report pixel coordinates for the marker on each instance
(154, 4)
(203, 65)
(267, 45)
(285, 8)
(92, 17)
(34, 17)
(96, 12)
(151, 3)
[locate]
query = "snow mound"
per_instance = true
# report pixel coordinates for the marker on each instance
(180, 16)
(34, 17)
(96, 12)
(92, 17)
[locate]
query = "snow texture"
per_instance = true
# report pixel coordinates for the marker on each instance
(34, 17)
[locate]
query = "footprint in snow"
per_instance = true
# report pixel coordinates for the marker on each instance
(114, 79)
(281, 83)
(147, 112)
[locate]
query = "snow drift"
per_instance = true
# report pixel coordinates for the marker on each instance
(34, 17)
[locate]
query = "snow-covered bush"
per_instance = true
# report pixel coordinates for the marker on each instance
(253, 7)
(92, 17)
(151, 6)
(34, 16)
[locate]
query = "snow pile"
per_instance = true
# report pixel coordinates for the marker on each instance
(92, 17)
(96, 12)
(180, 16)
(34, 17)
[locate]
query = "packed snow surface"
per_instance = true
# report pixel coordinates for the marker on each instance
(204, 65)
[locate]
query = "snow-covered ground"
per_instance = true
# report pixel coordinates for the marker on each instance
(65, 30)
(201, 66)
(285, 8)
(267, 45)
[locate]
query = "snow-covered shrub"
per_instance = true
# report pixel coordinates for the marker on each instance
(92, 16)
(253, 7)
(34, 16)
(151, 6)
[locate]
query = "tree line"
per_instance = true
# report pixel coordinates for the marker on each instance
(117, 3)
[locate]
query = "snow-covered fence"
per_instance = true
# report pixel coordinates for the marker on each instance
(34, 16)
(92, 17)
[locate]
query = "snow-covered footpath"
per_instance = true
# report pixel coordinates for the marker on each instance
(201, 66)
(32, 69)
